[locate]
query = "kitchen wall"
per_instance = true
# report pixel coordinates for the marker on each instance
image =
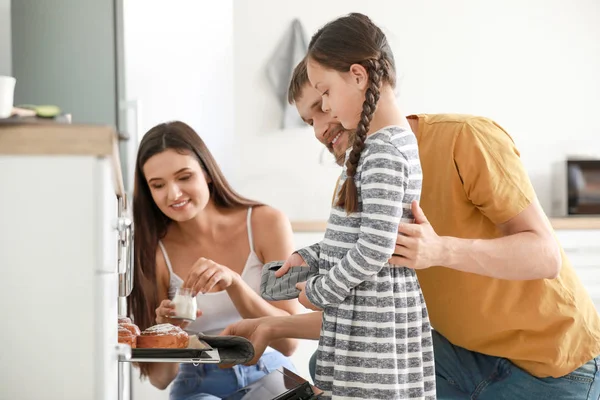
(179, 65)
(5, 45)
(532, 66)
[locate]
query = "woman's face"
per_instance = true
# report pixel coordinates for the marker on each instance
(178, 185)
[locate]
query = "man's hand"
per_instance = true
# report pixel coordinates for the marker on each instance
(256, 330)
(303, 299)
(417, 245)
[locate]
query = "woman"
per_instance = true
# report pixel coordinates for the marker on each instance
(193, 230)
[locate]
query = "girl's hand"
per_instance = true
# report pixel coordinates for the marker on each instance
(295, 260)
(303, 299)
(165, 313)
(207, 274)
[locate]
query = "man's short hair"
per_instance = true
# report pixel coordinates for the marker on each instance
(299, 80)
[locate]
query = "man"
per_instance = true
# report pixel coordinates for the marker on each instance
(511, 318)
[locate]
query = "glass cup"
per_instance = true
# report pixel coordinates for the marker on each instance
(185, 304)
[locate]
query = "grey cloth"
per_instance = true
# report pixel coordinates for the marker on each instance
(233, 350)
(375, 311)
(290, 50)
(284, 288)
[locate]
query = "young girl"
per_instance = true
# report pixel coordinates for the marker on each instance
(193, 230)
(376, 338)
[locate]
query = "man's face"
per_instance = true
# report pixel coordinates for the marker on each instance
(328, 130)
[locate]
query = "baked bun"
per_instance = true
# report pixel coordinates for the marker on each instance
(124, 320)
(133, 328)
(163, 336)
(127, 337)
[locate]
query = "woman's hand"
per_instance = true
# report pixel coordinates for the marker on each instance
(165, 313)
(295, 260)
(207, 275)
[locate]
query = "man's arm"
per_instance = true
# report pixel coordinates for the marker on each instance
(299, 326)
(527, 250)
(262, 331)
(496, 183)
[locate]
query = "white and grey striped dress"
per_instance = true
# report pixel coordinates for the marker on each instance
(376, 338)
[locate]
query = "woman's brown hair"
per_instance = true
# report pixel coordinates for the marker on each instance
(355, 39)
(151, 224)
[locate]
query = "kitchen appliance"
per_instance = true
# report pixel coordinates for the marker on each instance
(577, 187)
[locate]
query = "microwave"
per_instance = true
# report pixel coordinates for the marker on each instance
(577, 190)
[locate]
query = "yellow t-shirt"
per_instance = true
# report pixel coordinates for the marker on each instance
(473, 179)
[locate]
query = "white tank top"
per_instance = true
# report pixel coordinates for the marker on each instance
(218, 311)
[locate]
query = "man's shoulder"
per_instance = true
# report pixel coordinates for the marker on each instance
(451, 119)
(461, 127)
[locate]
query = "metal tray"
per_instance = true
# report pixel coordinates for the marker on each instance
(197, 352)
(194, 356)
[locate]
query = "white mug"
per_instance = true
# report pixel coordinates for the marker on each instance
(7, 95)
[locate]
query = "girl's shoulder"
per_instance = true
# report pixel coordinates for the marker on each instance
(392, 136)
(393, 140)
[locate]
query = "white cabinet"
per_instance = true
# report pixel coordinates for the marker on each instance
(59, 263)
(582, 247)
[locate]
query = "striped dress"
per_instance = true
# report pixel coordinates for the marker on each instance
(376, 338)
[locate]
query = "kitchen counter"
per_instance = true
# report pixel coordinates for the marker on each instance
(62, 235)
(566, 223)
(22, 138)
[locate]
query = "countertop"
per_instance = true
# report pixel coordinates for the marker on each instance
(566, 223)
(23, 138)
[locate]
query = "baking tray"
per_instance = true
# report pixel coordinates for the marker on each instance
(192, 356)
(198, 351)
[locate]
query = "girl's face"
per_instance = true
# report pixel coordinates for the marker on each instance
(342, 93)
(178, 185)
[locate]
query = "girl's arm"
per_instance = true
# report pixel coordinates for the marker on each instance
(384, 181)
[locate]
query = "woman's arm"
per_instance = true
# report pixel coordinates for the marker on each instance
(162, 374)
(273, 241)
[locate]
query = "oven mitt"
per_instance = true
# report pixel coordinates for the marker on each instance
(284, 288)
(233, 350)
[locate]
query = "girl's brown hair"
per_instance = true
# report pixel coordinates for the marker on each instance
(151, 224)
(355, 39)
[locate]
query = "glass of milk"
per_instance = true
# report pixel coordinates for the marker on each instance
(185, 304)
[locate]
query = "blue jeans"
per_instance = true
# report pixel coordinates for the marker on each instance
(466, 375)
(463, 374)
(209, 382)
